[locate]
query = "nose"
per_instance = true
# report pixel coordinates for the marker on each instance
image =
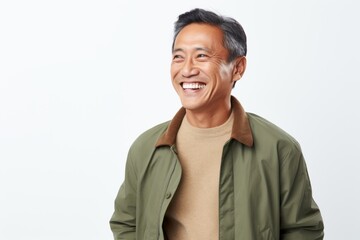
(189, 69)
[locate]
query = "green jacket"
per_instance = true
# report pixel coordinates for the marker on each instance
(265, 191)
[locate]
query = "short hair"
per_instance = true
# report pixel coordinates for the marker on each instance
(234, 35)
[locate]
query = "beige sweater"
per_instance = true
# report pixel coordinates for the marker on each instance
(193, 213)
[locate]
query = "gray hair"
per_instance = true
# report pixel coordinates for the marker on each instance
(234, 36)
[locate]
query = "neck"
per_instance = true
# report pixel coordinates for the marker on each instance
(209, 119)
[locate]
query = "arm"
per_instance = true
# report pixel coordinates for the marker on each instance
(300, 216)
(123, 221)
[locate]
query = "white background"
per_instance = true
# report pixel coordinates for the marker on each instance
(80, 80)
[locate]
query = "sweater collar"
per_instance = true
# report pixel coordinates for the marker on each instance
(241, 130)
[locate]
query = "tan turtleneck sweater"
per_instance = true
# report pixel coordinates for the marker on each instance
(193, 213)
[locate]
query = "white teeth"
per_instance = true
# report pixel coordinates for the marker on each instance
(193, 85)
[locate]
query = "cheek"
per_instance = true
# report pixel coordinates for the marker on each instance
(225, 72)
(174, 80)
(173, 72)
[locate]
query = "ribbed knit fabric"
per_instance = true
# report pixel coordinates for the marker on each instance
(193, 214)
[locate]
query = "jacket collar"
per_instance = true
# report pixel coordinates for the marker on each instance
(241, 130)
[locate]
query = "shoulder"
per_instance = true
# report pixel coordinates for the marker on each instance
(268, 135)
(146, 141)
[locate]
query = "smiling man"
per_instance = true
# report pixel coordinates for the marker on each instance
(214, 171)
(202, 75)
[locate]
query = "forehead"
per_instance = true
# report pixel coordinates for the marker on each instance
(203, 35)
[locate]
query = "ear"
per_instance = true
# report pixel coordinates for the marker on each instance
(239, 68)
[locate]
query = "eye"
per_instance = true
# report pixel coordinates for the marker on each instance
(202, 55)
(177, 58)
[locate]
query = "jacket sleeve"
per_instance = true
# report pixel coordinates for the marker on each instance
(123, 220)
(300, 216)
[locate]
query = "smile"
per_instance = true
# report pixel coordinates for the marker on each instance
(193, 85)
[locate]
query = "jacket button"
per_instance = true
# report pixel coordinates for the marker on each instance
(168, 195)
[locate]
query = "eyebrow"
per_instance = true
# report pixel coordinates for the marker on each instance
(197, 49)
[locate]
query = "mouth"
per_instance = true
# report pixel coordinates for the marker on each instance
(192, 85)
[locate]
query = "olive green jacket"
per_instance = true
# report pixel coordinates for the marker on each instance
(264, 191)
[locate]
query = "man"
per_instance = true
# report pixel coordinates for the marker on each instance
(214, 171)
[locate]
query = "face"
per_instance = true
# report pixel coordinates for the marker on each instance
(200, 73)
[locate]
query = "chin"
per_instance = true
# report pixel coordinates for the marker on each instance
(190, 105)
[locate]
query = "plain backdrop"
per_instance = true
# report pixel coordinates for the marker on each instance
(80, 80)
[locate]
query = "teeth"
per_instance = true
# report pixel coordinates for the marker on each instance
(193, 85)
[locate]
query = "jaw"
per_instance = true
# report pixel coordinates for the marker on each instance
(193, 93)
(192, 98)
